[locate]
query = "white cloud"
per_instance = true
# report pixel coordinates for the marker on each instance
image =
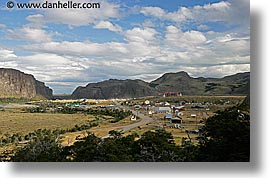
(203, 27)
(182, 14)
(218, 70)
(2, 25)
(176, 38)
(79, 17)
(108, 25)
(37, 18)
(231, 11)
(140, 43)
(7, 58)
(78, 48)
(145, 54)
(153, 11)
(30, 34)
(6, 53)
(146, 35)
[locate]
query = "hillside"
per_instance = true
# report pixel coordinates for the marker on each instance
(237, 84)
(114, 89)
(16, 84)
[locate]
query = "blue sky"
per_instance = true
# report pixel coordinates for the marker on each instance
(126, 39)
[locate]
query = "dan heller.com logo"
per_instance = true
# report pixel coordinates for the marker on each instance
(51, 5)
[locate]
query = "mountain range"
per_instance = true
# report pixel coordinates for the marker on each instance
(14, 83)
(180, 82)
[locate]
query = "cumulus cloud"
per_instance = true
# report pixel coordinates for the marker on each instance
(217, 70)
(7, 58)
(141, 35)
(108, 25)
(176, 38)
(231, 11)
(182, 14)
(6, 53)
(37, 18)
(30, 34)
(78, 17)
(141, 51)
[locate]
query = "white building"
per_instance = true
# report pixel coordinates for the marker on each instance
(162, 109)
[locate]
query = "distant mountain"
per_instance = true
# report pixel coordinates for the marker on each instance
(237, 84)
(114, 89)
(16, 84)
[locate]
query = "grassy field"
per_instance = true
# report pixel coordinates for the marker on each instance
(99, 131)
(15, 122)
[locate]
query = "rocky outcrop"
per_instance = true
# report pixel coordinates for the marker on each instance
(16, 84)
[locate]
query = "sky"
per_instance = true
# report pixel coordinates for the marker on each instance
(126, 39)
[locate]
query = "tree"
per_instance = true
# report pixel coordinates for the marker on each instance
(40, 150)
(226, 137)
(157, 146)
(85, 150)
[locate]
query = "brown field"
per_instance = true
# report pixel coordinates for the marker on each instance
(16, 122)
(99, 131)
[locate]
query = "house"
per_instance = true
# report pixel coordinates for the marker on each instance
(163, 109)
(193, 115)
(150, 112)
(147, 102)
(133, 118)
(168, 116)
(175, 120)
(137, 107)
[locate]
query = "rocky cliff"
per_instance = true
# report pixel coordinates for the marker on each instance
(16, 84)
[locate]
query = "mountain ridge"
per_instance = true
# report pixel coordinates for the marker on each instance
(237, 84)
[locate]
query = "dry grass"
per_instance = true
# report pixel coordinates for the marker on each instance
(15, 122)
(99, 131)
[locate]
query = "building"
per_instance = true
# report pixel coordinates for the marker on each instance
(137, 107)
(175, 120)
(133, 118)
(167, 94)
(168, 116)
(162, 109)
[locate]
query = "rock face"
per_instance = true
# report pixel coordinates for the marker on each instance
(16, 84)
(237, 84)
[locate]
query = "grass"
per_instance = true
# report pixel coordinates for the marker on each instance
(15, 122)
(99, 131)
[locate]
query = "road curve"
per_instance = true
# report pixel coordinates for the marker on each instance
(144, 120)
